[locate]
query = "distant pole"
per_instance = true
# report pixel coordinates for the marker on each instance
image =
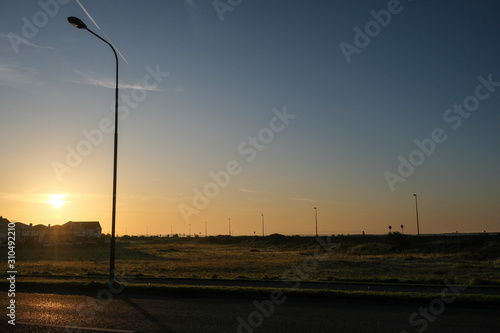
(316, 213)
(229, 226)
(189, 230)
(263, 233)
(171, 230)
(205, 228)
(416, 209)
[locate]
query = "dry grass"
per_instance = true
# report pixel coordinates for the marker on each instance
(257, 260)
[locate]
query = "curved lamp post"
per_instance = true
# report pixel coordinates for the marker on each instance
(80, 25)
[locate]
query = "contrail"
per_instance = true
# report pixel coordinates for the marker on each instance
(90, 17)
(86, 12)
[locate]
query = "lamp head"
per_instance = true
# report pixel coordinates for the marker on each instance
(77, 22)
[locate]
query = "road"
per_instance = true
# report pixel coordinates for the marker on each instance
(136, 313)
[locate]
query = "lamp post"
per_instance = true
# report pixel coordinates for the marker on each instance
(416, 209)
(316, 213)
(80, 25)
(263, 234)
(229, 226)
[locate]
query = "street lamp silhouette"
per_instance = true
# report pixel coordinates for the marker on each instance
(80, 25)
(263, 234)
(402, 229)
(316, 213)
(416, 209)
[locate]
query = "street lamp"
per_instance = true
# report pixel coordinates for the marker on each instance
(416, 209)
(229, 226)
(80, 25)
(316, 213)
(263, 234)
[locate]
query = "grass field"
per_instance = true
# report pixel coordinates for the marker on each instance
(468, 260)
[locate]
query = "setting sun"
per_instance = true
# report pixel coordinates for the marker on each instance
(56, 200)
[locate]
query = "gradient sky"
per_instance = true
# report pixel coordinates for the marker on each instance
(351, 120)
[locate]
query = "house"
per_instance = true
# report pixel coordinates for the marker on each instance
(78, 230)
(70, 232)
(4, 225)
(22, 232)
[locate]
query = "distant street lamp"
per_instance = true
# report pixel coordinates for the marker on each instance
(80, 25)
(416, 209)
(316, 213)
(402, 229)
(229, 226)
(263, 234)
(205, 228)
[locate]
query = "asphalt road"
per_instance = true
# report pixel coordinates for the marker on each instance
(37, 312)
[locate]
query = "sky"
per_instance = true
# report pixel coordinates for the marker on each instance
(232, 113)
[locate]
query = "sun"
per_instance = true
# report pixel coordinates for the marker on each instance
(56, 200)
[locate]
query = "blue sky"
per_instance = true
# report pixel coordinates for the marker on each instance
(348, 121)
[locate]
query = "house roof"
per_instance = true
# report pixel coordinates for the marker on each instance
(84, 224)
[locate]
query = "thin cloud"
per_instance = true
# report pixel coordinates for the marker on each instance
(18, 197)
(108, 83)
(303, 199)
(19, 77)
(27, 197)
(248, 190)
(18, 40)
